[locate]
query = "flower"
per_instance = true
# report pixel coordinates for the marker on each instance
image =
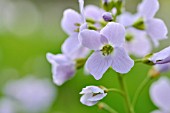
(34, 95)
(91, 95)
(137, 42)
(63, 68)
(144, 20)
(161, 57)
(160, 95)
(108, 50)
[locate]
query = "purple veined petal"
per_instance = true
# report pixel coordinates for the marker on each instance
(140, 45)
(98, 64)
(156, 29)
(160, 56)
(57, 59)
(127, 19)
(122, 63)
(62, 73)
(84, 100)
(115, 33)
(93, 12)
(162, 67)
(90, 39)
(69, 21)
(148, 8)
(160, 93)
(97, 97)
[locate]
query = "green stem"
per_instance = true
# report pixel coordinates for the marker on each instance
(138, 60)
(140, 89)
(106, 107)
(115, 90)
(126, 95)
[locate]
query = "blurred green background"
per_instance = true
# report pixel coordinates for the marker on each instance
(31, 28)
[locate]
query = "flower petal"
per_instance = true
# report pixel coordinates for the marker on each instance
(62, 73)
(139, 46)
(57, 59)
(69, 21)
(90, 39)
(84, 100)
(160, 93)
(97, 64)
(97, 97)
(156, 29)
(115, 33)
(160, 56)
(73, 49)
(148, 8)
(122, 63)
(92, 89)
(93, 12)
(162, 67)
(127, 19)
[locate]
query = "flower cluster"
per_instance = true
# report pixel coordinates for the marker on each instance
(106, 36)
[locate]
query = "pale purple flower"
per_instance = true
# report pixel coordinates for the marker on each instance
(137, 42)
(34, 95)
(160, 95)
(91, 95)
(154, 27)
(161, 57)
(63, 68)
(108, 50)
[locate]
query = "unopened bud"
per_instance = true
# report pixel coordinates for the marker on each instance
(107, 16)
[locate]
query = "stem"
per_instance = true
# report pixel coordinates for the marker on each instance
(126, 95)
(106, 107)
(115, 90)
(138, 60)
(140, 89)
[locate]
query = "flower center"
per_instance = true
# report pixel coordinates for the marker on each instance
(107, 50)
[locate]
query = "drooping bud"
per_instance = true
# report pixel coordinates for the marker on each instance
(107, 16)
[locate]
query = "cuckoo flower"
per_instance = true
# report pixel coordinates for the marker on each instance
(34, 95)
(137, 42)
(160, 95)
(63, 68)
(161, 57)
(144, 20)
(91, 95)
(108, 50)
(155, 28)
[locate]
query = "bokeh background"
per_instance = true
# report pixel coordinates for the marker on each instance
(31, 28)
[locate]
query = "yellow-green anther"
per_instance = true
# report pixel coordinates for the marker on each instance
(107, 50)
(77, 24)
(92, 27)
(129, 37)
(91, 21)
(139, 24)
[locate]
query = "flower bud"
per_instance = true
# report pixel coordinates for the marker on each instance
(107, 16)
